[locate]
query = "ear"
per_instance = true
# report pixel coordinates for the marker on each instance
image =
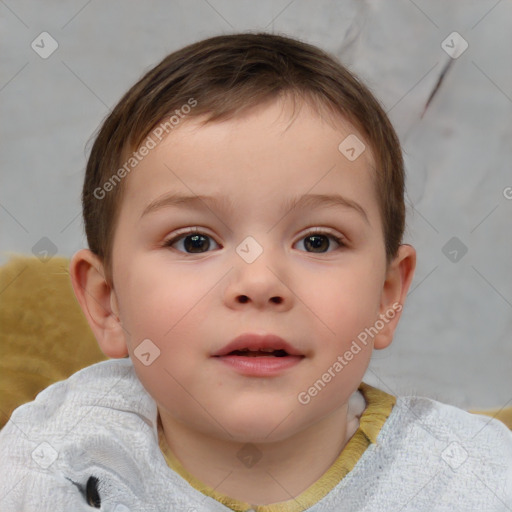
(98, 302)
(399, 276)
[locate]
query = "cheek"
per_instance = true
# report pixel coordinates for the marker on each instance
(166, 307)
(154, 299)
(343, 300)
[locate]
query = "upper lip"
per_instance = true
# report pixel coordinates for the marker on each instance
(256, 342)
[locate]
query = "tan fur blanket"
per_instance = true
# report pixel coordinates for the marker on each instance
(44, 336)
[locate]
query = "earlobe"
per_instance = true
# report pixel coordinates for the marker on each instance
(394, 292)
(98, 302)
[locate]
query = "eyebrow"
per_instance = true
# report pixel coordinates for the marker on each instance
(226, 204)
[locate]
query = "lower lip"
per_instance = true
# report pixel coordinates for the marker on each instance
(260, 366)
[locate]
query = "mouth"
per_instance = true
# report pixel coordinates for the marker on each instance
(256, 355)
(258, 345)
(259, 353)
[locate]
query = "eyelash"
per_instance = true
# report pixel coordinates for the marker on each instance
(195, 231)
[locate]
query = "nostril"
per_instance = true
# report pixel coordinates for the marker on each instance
(243, 299)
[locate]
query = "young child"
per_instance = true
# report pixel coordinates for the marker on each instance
(244, 211)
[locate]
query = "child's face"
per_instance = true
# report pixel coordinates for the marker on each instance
(316, 294)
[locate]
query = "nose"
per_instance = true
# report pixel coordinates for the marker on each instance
(261, 284)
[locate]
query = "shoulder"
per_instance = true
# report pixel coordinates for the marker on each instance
(110, 383)
(84, 426)
(447, 422)
(466, 456)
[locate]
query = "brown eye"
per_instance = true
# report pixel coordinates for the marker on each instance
(194, 243)
(319, 242)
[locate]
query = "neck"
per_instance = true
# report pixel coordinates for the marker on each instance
(261, 473)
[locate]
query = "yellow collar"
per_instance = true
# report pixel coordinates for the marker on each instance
(378, 408)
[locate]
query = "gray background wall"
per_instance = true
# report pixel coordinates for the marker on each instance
(455, 340)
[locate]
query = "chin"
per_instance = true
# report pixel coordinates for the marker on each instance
(258, 428)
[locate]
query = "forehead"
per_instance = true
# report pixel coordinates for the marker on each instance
(273, 152)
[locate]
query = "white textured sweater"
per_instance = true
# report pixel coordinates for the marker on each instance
(93, 438)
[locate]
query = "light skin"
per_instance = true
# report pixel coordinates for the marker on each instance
(191, 304)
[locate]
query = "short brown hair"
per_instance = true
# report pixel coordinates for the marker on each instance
(225, 75)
